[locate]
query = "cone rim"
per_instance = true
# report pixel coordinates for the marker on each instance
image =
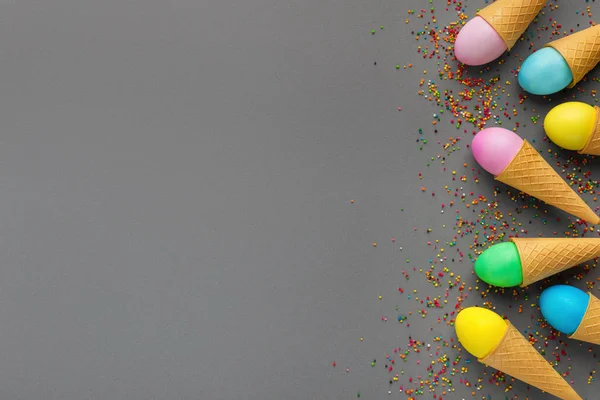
(511, 161)
(508, 326)
(510, 44)
(576, 79)
(584, 314)
(594, 132)
(573, 82)
(506, 43)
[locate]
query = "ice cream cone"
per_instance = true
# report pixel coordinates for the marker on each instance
(544, 257)
(510, 18)
(593, 144)
(515, 356)
(580, 50)
(531, 174)
(589, 328)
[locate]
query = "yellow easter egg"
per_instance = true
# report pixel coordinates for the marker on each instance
(570, 125)
(479, 330)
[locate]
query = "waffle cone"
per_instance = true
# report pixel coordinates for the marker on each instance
(510, 18)
(531, 174)
(516, 357)
(589, 328)
(543, 257)
(593, 144)
(580, 50)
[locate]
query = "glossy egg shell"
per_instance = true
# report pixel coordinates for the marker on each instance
(545, 72)
(570, 125)
(564, 306)
(479, 330)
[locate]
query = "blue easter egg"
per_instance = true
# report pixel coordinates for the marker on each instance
(563, 307)
(545, 72)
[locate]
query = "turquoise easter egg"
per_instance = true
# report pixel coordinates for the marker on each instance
(545, 72)
(563, 307)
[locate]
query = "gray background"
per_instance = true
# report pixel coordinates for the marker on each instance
(175, 185)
